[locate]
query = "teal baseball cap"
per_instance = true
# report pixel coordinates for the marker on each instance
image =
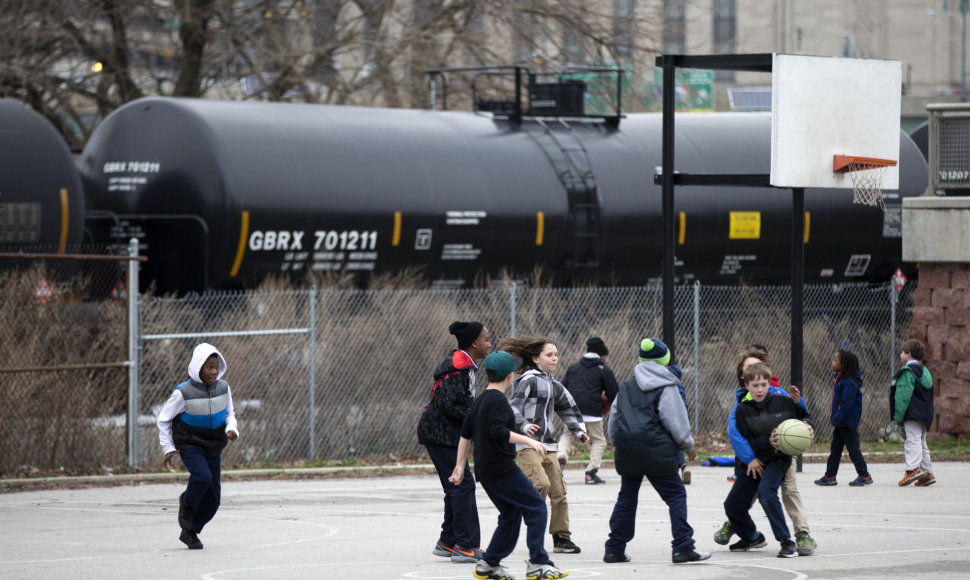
(499, 364)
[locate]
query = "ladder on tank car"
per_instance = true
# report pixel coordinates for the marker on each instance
(570, 161)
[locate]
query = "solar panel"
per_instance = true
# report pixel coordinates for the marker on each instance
(750, 98)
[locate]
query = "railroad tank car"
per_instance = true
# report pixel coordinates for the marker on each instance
(223, 193)
(41, 200)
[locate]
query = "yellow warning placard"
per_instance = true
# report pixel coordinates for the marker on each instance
(745, 225)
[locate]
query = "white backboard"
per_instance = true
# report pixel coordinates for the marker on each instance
(826, 106)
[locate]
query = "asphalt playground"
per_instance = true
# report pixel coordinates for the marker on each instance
(386, 527)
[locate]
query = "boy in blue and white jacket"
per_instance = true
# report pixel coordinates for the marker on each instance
(790, 496)
(196, 423)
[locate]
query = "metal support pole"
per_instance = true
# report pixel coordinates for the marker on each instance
(797, 288)
(312, 356)
(134, 355)
(512, 309)
(893, 297)
(667, 197)
(697, 351)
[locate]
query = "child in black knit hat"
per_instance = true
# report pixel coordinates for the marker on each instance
(452, 394)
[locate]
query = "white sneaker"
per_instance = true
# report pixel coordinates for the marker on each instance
(486, 571)
(542, 571)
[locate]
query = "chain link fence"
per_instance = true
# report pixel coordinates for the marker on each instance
(357, 393)
(63, 348)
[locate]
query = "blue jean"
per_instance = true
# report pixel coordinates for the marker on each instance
(516, 500)
(460, 525)
(204, 489)
(623, 520)
(737, 506)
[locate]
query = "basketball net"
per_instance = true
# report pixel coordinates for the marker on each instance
(867, 184)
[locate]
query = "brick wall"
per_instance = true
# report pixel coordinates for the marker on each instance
(941, 320)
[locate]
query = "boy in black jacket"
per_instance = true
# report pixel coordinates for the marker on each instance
(491, 427)
(758, 413)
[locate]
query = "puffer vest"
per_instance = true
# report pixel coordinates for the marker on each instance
(203, 423)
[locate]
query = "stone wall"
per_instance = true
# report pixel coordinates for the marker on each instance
(941, 320)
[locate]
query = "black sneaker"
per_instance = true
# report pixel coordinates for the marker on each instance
(788, 549)
(185, 514)
(616, 558)
(592, 478)
(561, 545)
(745, 545)
(190, 539)
(690, 556)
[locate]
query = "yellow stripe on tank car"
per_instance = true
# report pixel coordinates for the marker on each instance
(65, 221)
(396, 237)
(682, 235)
(540, 227)
(808, 223)
(241, 249)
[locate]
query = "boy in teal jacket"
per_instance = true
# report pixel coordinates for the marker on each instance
(911, 405)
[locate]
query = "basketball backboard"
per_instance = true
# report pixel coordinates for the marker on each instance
(826, 106)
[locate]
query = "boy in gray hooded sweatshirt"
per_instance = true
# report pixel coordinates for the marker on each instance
(196, 423)
(648, 426)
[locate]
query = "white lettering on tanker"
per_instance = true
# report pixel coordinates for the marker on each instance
(464, 218)
(345, 240)
(459, 252)
(132, 167)
(333, 250)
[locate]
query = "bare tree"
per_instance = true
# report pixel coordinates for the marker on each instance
(75, 61)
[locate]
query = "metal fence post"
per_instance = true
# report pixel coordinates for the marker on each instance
(893, 296)
(512, 309)
(313, 374)
(134, 355)
(697, 350)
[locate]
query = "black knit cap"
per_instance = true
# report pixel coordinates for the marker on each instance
(596, 344)
(466, 332)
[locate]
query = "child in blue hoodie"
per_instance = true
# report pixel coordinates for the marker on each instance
(196, 423)
(845, 416)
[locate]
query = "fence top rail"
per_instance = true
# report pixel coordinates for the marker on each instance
(109, 258)
(226, 333)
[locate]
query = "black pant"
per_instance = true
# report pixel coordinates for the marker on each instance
(845, 437)
(460, 525)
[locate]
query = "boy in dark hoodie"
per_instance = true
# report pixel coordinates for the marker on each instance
(593, 386)
(758, 414)
(196, 423)
(439, 430)
(648, 425)
(911, 405)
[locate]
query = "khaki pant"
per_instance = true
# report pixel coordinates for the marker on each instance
(544, 473)
(791, 499)
(597, 441)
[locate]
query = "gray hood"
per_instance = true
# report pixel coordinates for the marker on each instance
(654, 376)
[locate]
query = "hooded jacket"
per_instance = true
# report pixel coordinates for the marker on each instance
(742, 447)
(587, 380)
(648, 423)
(198, 415)
(911, 395)
(536, 397)
(846, 400)
(452, 395)
(756, 420)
